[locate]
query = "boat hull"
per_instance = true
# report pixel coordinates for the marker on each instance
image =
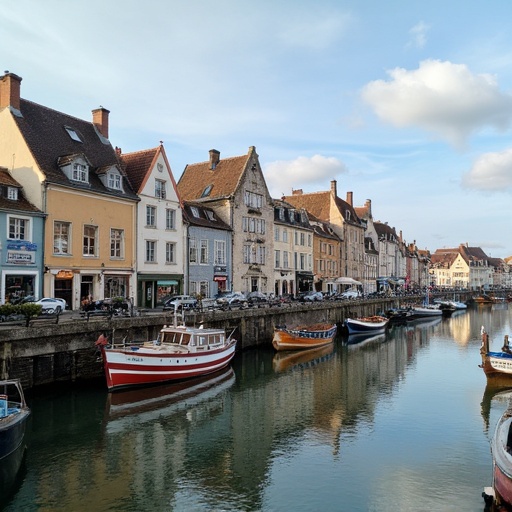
(502, 460)
(12, 432)
(303, 338)
(361, 326)
(416, 313)
(144, 366)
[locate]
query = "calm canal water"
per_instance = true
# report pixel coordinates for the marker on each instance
(400, 424)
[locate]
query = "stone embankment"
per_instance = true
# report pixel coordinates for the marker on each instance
(48, 353)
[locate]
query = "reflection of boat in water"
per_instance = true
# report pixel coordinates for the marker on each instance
(361, 339)
(425, 322)
(127, 409)
(494, 394)
(283, 361)
(303, 337)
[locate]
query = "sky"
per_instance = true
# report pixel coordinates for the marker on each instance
(408, 104)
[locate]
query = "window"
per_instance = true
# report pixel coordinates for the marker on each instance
(206, 191)
(170, 218)
(277, 259)
(116, 243)
(12, 193)
(61, 237)
(261, 255)
(73, 134)
(276, 234)
(204, 288)
(150, 251)
(285, 259)
(253, 225)
(302, 239)
(203, 255)
(192, 251)
(114, 181)
(220, 252)
(247, 254)
(18, 228)
(80, 173)
(150, 216)
(285, 235)
(253, 200)
(170, 252)
(210, 215)
(195, 211)
(90, 240)
(160, 189)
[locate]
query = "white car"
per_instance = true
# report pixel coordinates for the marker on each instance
(351, 294)
(52, 305)
(179, 302)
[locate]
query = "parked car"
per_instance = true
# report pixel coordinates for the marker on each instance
(52, 305)
(312, 296)
(232, 299)
(257, 298)
(351, 293)
(179, 302)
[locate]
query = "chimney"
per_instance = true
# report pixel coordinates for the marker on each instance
(349, 198)
(214, 158)
(100, 120)
(334, 190)
(297, 192)
(10, 90)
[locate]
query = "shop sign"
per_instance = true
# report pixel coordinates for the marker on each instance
(64, 274)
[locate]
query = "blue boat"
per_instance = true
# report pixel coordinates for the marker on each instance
(367, 325)
(14, 414)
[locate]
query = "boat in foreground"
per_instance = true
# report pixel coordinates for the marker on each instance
(367, 324)
(303, 337)
(501, 491)
(14, 414)
(179, 352)
(497, 365)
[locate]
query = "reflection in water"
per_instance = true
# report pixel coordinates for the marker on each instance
(494, 394)
(288, 360)
(358, 428)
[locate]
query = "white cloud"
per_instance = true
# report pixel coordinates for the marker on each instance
(312, 173)
(491, 171)
(419, 35)
(443, 98)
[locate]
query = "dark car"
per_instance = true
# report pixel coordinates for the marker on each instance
(257, 298)
(179, 302)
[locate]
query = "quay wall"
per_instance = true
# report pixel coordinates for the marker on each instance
(52, 353)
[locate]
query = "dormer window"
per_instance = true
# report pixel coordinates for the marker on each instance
(210, 215)
(195, 211)
(73, 134)
(114, 181)
(80, 173)
(12, 193)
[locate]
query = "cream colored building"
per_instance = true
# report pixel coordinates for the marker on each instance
(70, 171)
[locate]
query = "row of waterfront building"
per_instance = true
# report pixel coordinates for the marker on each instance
(80, 219)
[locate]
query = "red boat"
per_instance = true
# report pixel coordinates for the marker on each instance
(501, 447)
(178, 353)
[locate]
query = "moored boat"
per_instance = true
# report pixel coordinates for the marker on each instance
(497, 365)
(178, 353)
(14, 414)
(303, 337)
(501, 447)
(425, 311)
(367, 324)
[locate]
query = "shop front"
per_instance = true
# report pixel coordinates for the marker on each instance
(304, 281)
(20, 275)
(153, 290)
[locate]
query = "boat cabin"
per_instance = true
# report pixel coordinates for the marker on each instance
(197, 338)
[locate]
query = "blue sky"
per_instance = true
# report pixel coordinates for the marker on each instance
(408, 104)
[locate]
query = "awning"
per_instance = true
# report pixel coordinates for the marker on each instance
(169, 282)
(220, 278)
(347, 280)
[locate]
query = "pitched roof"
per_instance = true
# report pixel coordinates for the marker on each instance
(46, 133)
(223, 179)
(137, 164)
(317, 203)
(206, 218)
(20, 204)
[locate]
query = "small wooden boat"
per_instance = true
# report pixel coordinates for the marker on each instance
(303, 337)
(496, 365)
(501, 447)
(179, 352)
(426, 311)
(14, 414)
(368, 324)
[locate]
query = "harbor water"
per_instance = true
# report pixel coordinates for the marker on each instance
(400, 422)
